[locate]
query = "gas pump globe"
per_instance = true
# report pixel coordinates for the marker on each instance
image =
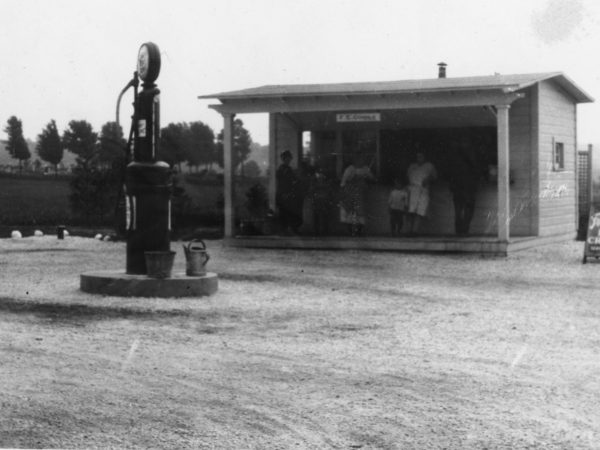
(148, 64)
(148, 182)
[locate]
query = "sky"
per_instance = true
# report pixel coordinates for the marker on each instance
(69, 59)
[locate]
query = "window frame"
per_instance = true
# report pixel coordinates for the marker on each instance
(558, 156)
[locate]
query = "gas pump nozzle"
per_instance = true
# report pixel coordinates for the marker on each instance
(134, 83)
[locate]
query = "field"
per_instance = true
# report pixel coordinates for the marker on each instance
(302, 349)
(33, 200)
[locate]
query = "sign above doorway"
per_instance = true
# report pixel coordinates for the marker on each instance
(358, 117)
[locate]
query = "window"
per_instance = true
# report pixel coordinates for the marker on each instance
(558, 159)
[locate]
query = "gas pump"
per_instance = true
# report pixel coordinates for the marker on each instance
(147, 192)
(148, 182)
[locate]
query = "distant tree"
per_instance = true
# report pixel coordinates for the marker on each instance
(242, 142)
(252, 169)
(200, 145)
(111, 149)
(81, 140)
(220, 148)
(95, 187)
(112, 158)
(49, 145)
(193, 159)
(37, 166)
(16, 146)
(173, 145)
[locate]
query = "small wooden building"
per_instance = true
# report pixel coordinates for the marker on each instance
(522, 129)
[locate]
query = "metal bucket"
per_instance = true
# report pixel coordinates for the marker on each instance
(196, 258)
(159, 264)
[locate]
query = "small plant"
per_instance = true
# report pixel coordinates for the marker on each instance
(93, 193)
(257, 208)
(257, 201)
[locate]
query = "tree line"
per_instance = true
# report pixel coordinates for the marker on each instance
(194, 144)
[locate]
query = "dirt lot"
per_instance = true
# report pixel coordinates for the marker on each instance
(302, 349)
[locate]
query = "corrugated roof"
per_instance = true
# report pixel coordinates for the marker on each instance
(509, 83)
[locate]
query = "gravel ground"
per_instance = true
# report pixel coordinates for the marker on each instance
(302, 349)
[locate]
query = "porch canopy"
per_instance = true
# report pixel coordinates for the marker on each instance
(438, 102)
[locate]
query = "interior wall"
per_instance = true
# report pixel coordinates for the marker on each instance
(397, 150)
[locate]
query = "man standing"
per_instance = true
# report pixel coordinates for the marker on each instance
(463, 181)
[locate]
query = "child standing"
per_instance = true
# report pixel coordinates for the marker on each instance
(398, 205)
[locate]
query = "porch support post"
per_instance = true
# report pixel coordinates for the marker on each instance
(228, 173)
(503, 173)
(273, 159)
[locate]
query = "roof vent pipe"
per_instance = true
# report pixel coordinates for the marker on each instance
(442, 70)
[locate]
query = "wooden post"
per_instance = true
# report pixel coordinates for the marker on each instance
(503, 173)
(273, 160)
(228, 174)
(590, 176)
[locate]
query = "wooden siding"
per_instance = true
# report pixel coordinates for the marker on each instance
(535, 151)
(557, 188)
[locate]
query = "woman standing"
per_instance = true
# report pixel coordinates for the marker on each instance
(354, 191)
(420, 176)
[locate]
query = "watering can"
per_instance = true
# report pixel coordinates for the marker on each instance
(196, 258)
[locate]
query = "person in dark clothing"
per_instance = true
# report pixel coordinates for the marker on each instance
(322, 193)
(463, 181)
(288, 197)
